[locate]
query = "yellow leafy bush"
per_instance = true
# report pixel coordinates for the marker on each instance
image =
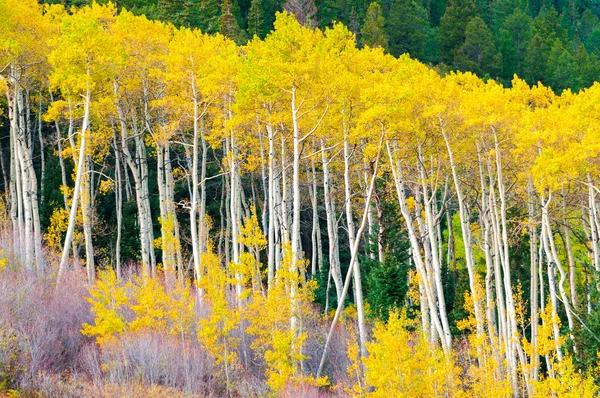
(566, 382)
(270, 318)
(215, 331)
(405, 364)
(108, 297)
(150, 304)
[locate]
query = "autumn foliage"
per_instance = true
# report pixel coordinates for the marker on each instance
(226, 215)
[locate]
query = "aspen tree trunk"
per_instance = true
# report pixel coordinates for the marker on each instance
(280, 234)
(263, 179)
(428, 269)
(194, 204)
(510, 305)
(296, 244)
(78, 182)
(334, 263)
(316, 222)
(284, 215)
(86, 213)
(354, 240)
(271, 204)
(26, 198)
(429, 229)
(119, 207)
(353, 257)
(170, 184)
(167, 228)
(22, 152)
(551, 279)
(593, 221)
(503, 287)
(202, 232)
(14, 173)
(436, 313)
(570, 258)
(534, 281)
(234, 211)
(42, 151)
(467, 239)
(17, 175)
(315, 226)
(140, 175)
(553, 254)
(61, 159)
(381, 228)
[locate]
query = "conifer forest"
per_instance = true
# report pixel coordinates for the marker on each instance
(267, 198)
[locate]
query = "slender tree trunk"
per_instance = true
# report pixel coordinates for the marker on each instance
(354, 240)
(119, 207)
(331, 226)
(78, 183)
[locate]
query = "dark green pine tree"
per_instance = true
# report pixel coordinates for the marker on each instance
(452, 27)
(587, 68)
(560, 68)
(202, 14)
(478, 53)
(502, 9)
(514, 38)
(255, 19)
(546, 29)
(589, 31)
(407, 28)
(228, 24)
(373, 33)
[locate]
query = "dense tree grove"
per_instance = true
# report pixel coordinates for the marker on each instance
(556, 43)
(277, 200)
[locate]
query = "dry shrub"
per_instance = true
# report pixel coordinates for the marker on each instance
(42, 321)
(159, 359)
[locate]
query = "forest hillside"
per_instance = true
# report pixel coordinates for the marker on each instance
(554, 42)
(298, 214)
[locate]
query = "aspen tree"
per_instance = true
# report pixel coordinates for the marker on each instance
(81, 58)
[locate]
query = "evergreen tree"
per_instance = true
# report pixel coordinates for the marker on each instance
(587, 68)
(228, 24)
(373, 33)
(181, 12)
(546, 29)
(255, 19)
(561, 67)
(500, 10)
(435, 10)
(407, 28)
(478, 53)
(452, 27)
(515, 36)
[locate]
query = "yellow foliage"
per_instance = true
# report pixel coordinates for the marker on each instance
(108, 297)
(150, 304)
(486, 375)
(270, 318)
(58, 227)
(545, 338)
(3, 260)
(405, 364)
(3, 86)
(567, 382)
(354, 370)
(180, 311)
(215, 332)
